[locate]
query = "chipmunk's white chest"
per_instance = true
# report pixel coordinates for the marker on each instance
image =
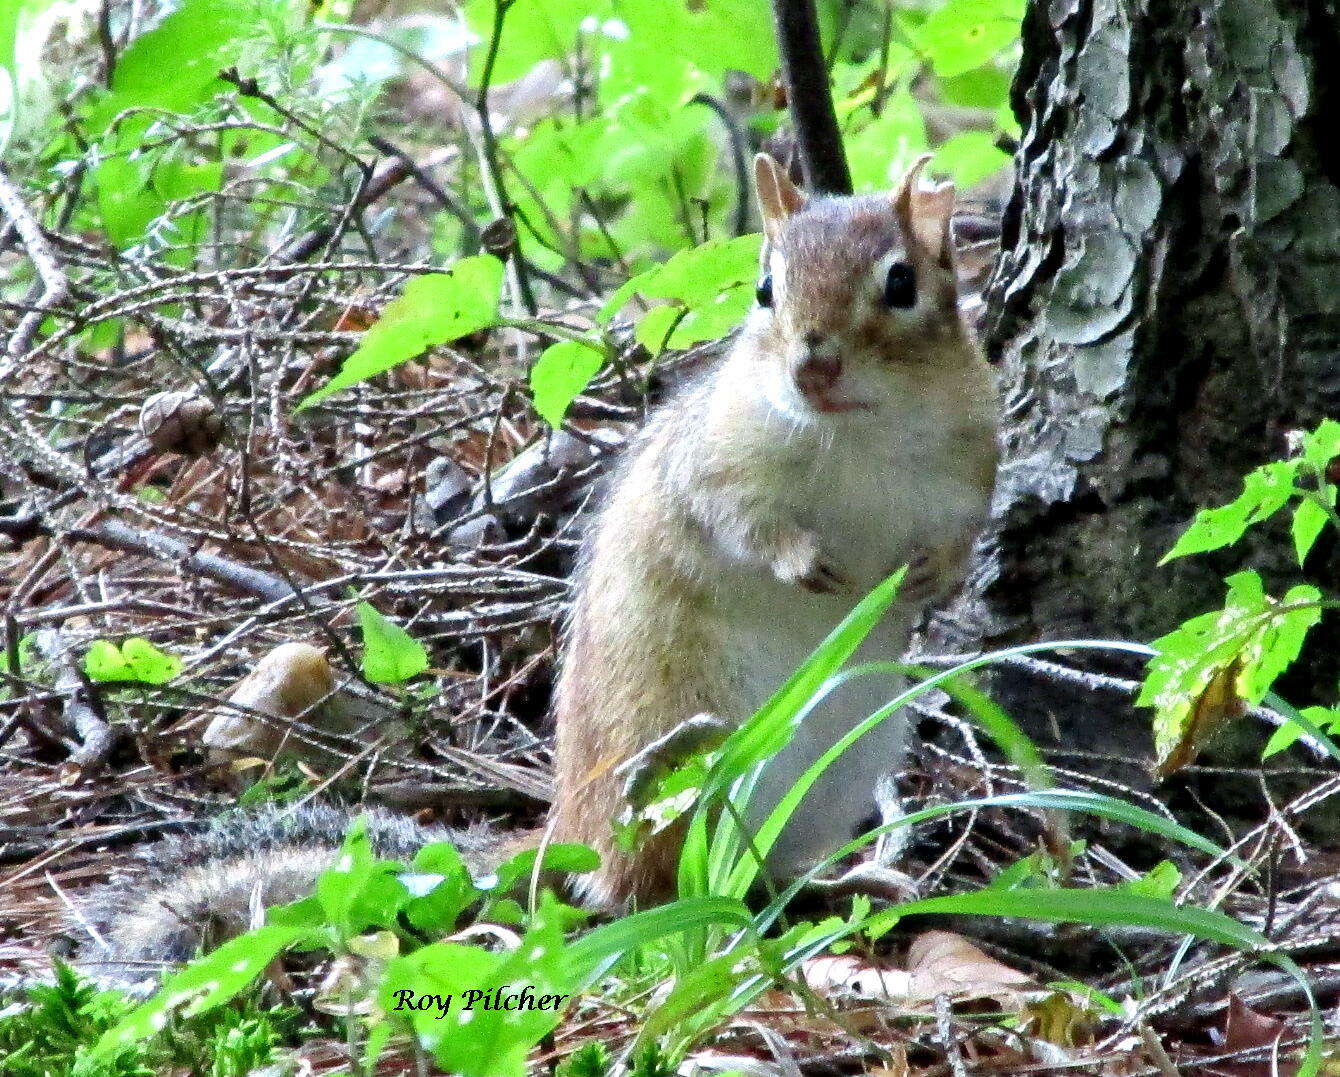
(873, 502)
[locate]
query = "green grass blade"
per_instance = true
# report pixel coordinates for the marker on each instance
(593, 954)
(1111, 907)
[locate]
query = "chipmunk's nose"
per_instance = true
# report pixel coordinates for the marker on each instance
(817, 372)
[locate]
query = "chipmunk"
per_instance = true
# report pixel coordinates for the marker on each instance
(848, 431)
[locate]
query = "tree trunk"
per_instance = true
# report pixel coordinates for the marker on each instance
(1164, 314)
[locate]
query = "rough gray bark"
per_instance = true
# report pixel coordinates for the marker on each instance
(1165, 312)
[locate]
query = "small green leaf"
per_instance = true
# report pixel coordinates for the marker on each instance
(1327, 718)
(561, 372)
(1308, 520)
(1160, 881)
(390, 654)
(1215, 665)
(136, 660)
(433, 309)
(1264, 492)
(696, 277)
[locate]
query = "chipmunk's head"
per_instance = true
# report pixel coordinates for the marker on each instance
(857, 295)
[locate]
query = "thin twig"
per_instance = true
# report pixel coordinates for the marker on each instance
(55, 285)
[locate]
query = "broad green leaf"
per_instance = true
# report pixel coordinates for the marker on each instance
(390, 654)
(967, 33)
(1322, 445)
(136, 660)
(674, 48)
(359, 890)
(173, 65)
(561, 372)
(433, 309)
(202, 985)
(443, 889)
(470, 1036)
(127, 200)
(714, 318)
(655, 328)
(532, 30)
(969, 157)
(1214, 666)
(699, 275)
(1264, 492)
(563, 856)
(881, 150)
(983, 87)
(711, 286)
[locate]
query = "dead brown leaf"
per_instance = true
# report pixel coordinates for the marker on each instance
(1217, 704)
(943, 963)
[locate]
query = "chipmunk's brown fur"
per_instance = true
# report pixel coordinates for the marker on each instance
(838, 439)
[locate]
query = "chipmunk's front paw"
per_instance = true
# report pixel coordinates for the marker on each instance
(803, 564)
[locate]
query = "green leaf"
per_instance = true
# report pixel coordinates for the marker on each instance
(1216, 664)
(967, 33)
(596, 951)
(193, 43)
(695, 276)
(657, 326)
(1264, 492)
(982, 87)
(450, 889)
(390, 654)
(1327, 718)
(711, 287)
(360, 890)
(433, 309)
(1322, 445)
(970, 157)
(563, 856)
(533, 30)
(884, 147)
(127, 200)
(1308, 520)
(470, 1037)
(715, 318)
(202, 985)
(1160, 881)
(136, 660)
(561, 372)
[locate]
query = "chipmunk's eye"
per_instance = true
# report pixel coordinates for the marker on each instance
(763, 293)
(900, 289)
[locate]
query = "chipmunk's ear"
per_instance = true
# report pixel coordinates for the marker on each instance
(924, 214)
(778, 197)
